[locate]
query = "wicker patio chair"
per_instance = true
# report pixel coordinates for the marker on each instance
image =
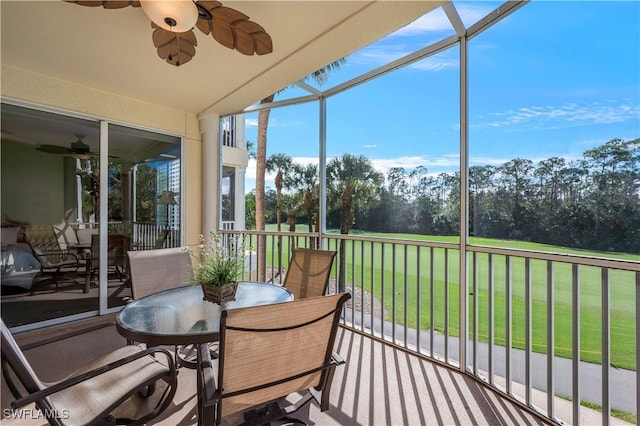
(308, 272)
(271, 351)
(93, 392)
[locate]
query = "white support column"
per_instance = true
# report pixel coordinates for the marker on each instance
(241, 141)
(211, 171)
(239, 200)
(464, 205)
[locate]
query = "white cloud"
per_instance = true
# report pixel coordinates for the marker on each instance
(370, 146)
(435, 63)
(437, 21)
(567, 115)
(443, 163)
(390, 49)
(380, 55)
(433, 21)
(273, 122)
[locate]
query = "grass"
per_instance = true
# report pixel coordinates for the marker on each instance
(619, 414)
(432, 275)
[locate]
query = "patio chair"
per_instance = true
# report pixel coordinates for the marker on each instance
(92, 393)
(162, 269)
(158, 269)
(269, 352)
(308, 272)
(46, 248)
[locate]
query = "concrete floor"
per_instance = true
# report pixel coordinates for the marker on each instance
(379, 385)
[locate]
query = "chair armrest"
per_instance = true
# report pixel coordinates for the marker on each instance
(71, 381)
(337, 359)
(63, 253)
(211, 392)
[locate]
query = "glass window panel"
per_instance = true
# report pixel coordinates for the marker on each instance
(424, 31)
(552, 123)
(144, 196)
(292, 148)
(51, 195)
(49, 199)
(404, 126)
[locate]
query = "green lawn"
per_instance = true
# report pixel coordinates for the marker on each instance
(622, 294)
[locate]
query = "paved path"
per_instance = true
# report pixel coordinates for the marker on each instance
(622, 385)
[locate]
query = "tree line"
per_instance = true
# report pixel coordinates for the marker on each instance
(590, 203)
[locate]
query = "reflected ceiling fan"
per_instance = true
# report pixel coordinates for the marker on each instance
(78, 149)
(174, 20)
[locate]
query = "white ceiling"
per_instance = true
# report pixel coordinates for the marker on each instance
(112, 50)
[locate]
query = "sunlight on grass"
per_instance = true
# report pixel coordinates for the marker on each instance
(375, 271)
(619, 414)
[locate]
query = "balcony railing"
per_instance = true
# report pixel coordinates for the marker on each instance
(146, 236)
(538, 325)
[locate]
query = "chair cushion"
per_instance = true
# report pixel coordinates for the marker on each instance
(83, 401)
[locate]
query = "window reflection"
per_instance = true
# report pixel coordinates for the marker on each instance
(51, 210)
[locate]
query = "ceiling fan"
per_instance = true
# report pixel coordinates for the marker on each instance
(173, 21)
(78, 149)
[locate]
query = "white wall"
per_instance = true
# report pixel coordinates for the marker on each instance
(40, 90)
(31, 185)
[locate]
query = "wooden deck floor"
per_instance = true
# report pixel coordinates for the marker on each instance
(379, 385)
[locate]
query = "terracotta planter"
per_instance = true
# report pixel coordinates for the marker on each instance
(219, 295)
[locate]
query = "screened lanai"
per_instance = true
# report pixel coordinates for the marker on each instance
(486, 210)
(453, 181)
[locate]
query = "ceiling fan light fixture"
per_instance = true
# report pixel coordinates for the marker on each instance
(177, 16)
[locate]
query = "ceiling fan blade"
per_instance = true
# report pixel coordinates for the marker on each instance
(176, 48)
(204, 21)
(229, 27)
(53, 149)
(252, 38)
(110, 4)
(234, 30)
(80, 156)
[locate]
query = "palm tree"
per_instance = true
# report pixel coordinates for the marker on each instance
(353, 183)
(305, 180)
(320, 76)
(282, 165)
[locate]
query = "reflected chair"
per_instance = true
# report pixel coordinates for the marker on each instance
(269, 352)
(117, 247)
(308, 272)
(46, 248)
(91, 394)
(162, 237)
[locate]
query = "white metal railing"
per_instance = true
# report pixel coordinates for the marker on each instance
(539, 324)
(148, 235)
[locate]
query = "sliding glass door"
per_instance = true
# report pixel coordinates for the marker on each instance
(51, 239)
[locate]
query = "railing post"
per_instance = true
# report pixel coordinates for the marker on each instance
(342, 271)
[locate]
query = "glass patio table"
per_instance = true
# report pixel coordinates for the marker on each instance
(181, 316)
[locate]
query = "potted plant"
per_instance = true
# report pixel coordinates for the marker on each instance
(217, 268)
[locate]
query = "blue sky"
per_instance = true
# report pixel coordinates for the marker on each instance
(552, 79)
